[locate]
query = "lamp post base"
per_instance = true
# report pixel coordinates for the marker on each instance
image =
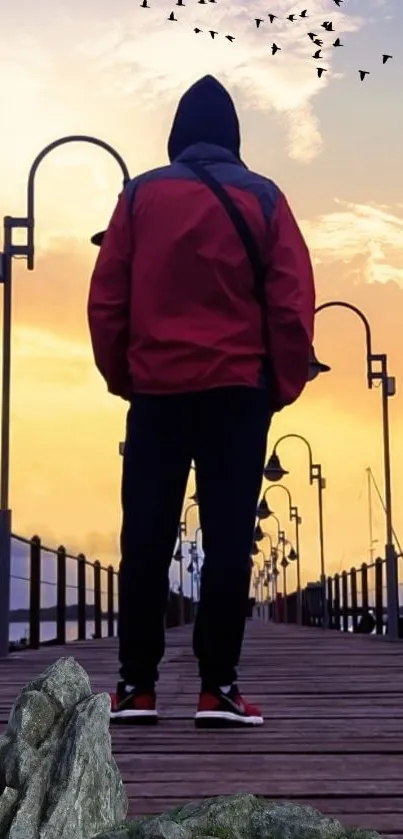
(5, 571)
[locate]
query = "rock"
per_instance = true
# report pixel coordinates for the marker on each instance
(58, 779)
(237, 817)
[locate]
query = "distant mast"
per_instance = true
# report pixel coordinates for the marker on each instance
(371, 533)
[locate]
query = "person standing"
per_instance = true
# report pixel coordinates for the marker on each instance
(179, 331)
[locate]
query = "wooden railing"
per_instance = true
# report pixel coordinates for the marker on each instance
(356, 601)
(104, 589)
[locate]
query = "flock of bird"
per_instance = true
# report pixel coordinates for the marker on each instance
(327, 25)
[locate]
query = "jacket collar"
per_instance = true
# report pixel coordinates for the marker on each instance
(208, 153)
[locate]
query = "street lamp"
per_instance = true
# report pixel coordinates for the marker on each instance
(377, 370)
(274, 574)
(258, 535)
(316, 366)
(193, 569)
(182, 531)
(264, 511)
(274, 472)
(281, 541)
(284, 564)
(11, 250)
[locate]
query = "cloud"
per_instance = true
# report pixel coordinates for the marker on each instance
(145, 56)
(372, 233)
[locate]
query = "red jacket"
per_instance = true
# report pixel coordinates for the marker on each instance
(171, 305)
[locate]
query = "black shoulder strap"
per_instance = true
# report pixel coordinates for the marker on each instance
(240, 225)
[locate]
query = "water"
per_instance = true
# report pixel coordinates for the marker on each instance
(48, 630)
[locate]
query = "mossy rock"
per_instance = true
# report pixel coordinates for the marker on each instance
(238, 817)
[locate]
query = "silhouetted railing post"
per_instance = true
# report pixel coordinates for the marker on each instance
(364, 588)
(379, 596)
(330, 603)
(354, 599)
(35, 594)
(111, 604)
(337, 602)
(344, 589)
(61, 596)
(118, 594)
(97, 600)
(81, 596)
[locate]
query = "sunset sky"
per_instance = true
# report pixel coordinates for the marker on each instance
(333, 145)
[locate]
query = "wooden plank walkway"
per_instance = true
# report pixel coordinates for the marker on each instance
(333, 735)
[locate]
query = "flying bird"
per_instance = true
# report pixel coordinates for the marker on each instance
(317, 55)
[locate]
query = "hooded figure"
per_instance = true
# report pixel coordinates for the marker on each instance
(205, 114)
(178, 331)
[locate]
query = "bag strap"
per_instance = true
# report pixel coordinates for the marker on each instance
(241, 226)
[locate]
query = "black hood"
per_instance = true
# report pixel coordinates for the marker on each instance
(205, 114)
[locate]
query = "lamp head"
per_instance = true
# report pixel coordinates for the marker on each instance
(273, 470)
(190, 568)
(316, 367)
(97, 238)
(284, 562)
(258, 534)
(255, 549)
(178, 555)
(194, 498)
(292, 556)
(263, 510)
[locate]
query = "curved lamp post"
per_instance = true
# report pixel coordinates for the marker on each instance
(260, 576)
(193, 568)
(11, 250)
(377, 370)
(178, 556)
(282, 541)
(274, 472)
(271, 567)
(264, 512)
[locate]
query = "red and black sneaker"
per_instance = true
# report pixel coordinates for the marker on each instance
(225, 710)
(133, 707)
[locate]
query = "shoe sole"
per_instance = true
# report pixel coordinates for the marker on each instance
(130, 718)
(214, 719)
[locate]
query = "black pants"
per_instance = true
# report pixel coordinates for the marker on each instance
(224, 431)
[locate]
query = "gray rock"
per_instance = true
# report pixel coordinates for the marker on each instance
(238, 817)
(8, 803)
(58, 779)
(65, 683)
